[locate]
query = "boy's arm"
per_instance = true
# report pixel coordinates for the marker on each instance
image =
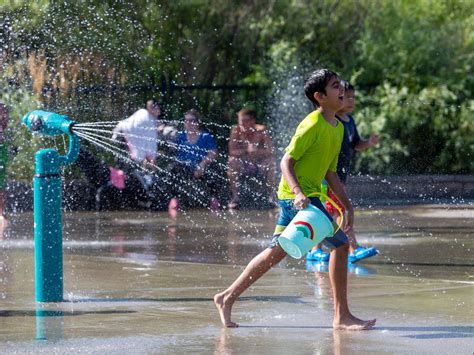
(338, 189)
(365, 144)
(116, 132)
(287, 168)
(149, 163)
(202, 166)
(121, 129)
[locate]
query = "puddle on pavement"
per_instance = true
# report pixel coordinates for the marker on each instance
(143, 278)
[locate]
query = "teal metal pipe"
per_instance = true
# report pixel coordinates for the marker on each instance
(47, 203)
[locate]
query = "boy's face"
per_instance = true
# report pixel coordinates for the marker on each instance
(245, 121)
(334, 97)
(349, 101)
(153, 108)
(191, 123)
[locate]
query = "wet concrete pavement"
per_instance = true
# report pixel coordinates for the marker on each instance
(141, 282)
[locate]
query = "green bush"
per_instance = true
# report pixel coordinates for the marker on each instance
(425, 132)
(411, 62)
(22, 145)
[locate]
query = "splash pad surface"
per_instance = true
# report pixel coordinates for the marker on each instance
(144, 282)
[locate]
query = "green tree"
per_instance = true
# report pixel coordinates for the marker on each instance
(411, 62)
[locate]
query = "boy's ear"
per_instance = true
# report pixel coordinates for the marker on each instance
(319, 96)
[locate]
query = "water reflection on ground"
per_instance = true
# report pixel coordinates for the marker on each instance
(143, 278)
(408, 237)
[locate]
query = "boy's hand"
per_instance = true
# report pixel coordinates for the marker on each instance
(349, 220)
(301, 201)
(199, 172)
(148, 164)
(373, 139)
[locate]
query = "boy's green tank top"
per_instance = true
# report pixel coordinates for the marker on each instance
(315, 148)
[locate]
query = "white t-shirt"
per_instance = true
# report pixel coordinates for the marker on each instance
(140, 131)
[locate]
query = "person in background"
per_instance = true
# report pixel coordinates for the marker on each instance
(140, 133)
(196, 152)
(250, 151)
(350, 145)
(3, 158)
(135, 181)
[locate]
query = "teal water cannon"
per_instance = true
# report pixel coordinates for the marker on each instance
(48, 123)
(47, 202)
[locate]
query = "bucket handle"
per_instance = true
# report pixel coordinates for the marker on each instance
(331, 201)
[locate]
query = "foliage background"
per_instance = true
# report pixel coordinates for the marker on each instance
(411, 62)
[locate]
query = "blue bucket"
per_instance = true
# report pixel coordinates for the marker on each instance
(306, 230)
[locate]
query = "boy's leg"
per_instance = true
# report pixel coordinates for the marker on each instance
(343, 318)
(351, 235)
(235, 167)
(267, 166)
(213, 176)
(257, 267)
(332, 210)
(353, 245)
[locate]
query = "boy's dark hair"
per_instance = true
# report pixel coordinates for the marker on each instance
(249, 112)
(154, 102)
(347, 85)
(195, 113)
(317, 82)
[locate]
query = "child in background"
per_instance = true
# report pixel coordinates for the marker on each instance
(350, 144)
(310, 157)
(250, 151)
(3, 158)
(196, 153)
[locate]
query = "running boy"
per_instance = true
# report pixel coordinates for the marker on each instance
(310, 157)
(350, 144)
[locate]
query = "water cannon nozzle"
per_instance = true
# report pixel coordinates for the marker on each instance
(48, 123)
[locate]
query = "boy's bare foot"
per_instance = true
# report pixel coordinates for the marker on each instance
(224, 311)
(173, 207)
(353, 323)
